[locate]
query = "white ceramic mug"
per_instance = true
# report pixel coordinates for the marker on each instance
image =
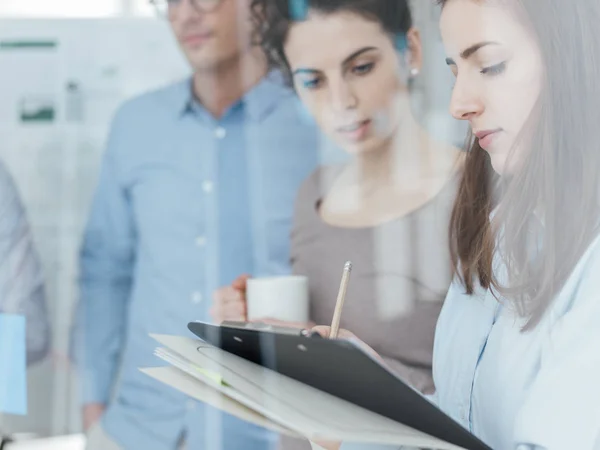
(281, 298)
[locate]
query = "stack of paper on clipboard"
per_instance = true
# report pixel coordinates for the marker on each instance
(274, 401)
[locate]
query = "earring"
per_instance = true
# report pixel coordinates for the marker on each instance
(414, 72)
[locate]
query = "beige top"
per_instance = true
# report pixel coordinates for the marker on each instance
(401, 272)
(400, 275)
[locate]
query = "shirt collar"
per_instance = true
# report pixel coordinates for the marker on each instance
(258, 102)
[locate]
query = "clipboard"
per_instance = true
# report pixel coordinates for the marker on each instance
(339, 368)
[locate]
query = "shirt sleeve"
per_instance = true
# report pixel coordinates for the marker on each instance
(21, 277)
(106, 270)
(562, 407)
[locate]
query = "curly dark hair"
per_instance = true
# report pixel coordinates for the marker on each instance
(273, 19)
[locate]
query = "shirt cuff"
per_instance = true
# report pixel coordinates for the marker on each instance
(94, 390)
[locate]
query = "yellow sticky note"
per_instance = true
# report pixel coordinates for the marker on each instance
(212, 375)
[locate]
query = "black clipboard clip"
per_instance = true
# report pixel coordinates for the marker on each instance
(261, 326)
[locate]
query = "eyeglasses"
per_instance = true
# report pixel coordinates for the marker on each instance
(164, 6)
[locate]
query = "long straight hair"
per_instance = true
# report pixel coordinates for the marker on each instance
(546, 214)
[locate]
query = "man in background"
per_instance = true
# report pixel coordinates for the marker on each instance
(197, 186)
(21, 278)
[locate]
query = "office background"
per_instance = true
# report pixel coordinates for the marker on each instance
(65, 66)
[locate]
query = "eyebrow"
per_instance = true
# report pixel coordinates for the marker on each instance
(346, 60)
(466, 54)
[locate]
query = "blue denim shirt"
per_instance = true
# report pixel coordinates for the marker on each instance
(185, 203)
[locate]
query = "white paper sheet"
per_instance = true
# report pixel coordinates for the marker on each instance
(294, 405)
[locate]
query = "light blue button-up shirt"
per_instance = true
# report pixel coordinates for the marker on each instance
(185, 203)
(523, 390)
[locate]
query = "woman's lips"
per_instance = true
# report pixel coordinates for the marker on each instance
(487, 137)
(356, 131)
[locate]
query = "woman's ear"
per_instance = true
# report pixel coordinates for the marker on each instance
(414, 53)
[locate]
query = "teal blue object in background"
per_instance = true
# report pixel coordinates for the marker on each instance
(13, 379)
(298, 9)
(401, 42)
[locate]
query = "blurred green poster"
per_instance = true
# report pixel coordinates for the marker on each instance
(30, 88)
(37, 109)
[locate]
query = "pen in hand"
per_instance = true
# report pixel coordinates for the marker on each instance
(339, 305)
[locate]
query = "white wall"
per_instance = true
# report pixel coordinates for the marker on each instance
(74, 8)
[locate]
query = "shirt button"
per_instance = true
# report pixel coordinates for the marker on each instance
(220, 132)
(196, 297)
(191, 405)
(207, 186)
(200, 241)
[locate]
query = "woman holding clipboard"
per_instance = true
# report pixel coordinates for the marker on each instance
(517, 347)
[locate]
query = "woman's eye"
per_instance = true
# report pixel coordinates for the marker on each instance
(363, 68)
(313, 83)
(494, 70)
